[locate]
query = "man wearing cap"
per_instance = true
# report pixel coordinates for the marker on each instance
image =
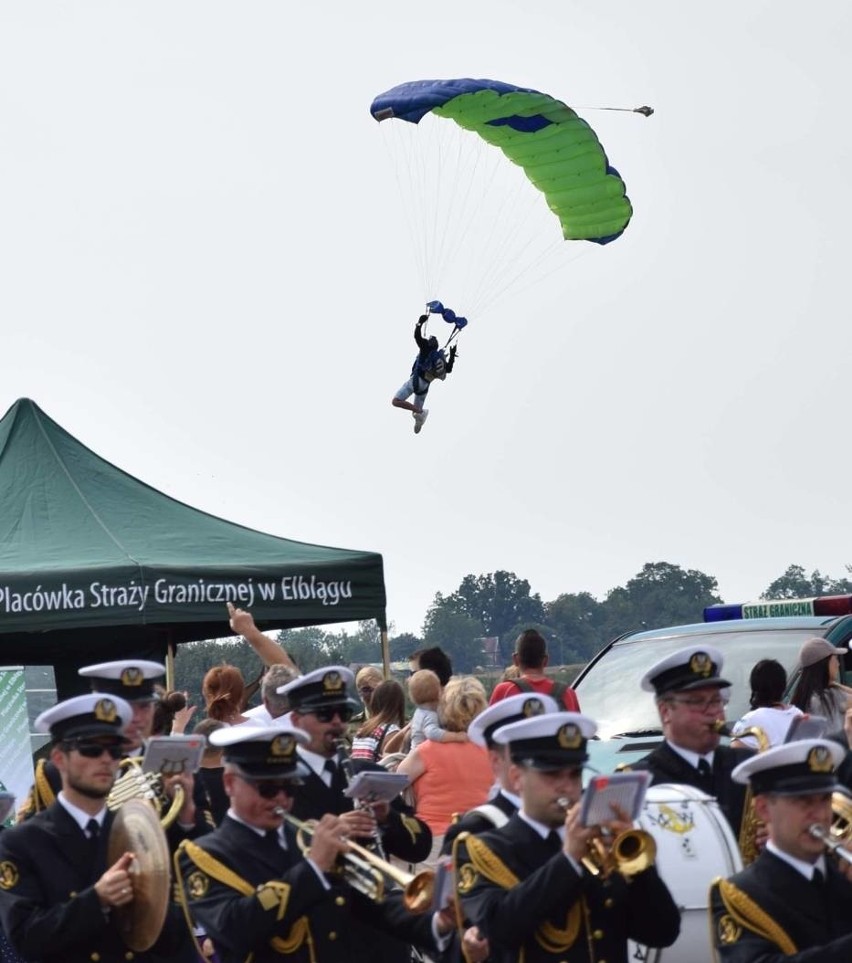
(688, 691)
(793, 902)
(133, 680)
(58, 896)
(504, 803)
(321, 704)
(253, 890)
(525, 885)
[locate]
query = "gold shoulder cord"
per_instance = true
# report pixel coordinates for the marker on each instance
(44, 794)
(299, 931)
(745, 912)
(553, 939)
(39, 797)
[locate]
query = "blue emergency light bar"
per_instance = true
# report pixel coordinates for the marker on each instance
(775, 608)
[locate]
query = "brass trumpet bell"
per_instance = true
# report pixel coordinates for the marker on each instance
(631, 852)
(841, 813)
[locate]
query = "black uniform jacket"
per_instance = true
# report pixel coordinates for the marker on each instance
(552, 912)
(403, 835)
(803, 923)
(48, 904)
(665, 765)
(475, 823)
(253, 896)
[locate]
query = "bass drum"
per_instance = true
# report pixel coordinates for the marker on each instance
(695, 844)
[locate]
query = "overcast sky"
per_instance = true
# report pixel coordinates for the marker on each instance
(206, 278)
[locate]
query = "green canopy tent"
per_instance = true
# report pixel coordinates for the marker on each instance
(97, 565)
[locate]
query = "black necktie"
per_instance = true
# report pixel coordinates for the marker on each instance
(818, 879)
(337, 779)
(273, 838)
(554, 843)
(93, 832)
(705, 772)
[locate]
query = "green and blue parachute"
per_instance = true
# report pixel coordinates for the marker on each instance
(557, 150)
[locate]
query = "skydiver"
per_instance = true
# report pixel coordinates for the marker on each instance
(430, 363)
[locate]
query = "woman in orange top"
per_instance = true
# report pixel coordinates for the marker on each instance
(450, 777)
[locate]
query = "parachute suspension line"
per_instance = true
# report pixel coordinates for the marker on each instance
(479, 183)
(560, 265)
(402, 159)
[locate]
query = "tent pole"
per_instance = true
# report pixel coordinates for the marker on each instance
(170, 666)
(385, 654)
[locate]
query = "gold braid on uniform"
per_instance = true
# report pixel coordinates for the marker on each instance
(40, 796)
(43, 792)
(270, 895)
(553, 939)
(745, 912)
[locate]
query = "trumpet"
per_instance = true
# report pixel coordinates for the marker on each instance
(831, 842)
(631, 852)
(368, 873)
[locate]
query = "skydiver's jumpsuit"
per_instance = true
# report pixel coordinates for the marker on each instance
(418, 383)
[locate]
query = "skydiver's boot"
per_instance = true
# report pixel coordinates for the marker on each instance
(419, 420)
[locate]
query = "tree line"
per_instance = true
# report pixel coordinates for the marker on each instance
(500, 605)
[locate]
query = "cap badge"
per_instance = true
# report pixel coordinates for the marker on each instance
(533, 707)
(701, 664)
(819, 760)
(332, 682)
(282, 747)
(105, 711)
(132, 676)
(569, 736)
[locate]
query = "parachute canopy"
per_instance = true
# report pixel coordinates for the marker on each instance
(558, 151)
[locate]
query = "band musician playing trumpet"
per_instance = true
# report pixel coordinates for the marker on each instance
(58, 897)
(530, 887)
(794, 903)
(691, 703)
(254, 891)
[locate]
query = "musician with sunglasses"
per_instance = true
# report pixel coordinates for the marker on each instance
(690, 699)
(58, 896)
(322, 705)
(254, 891)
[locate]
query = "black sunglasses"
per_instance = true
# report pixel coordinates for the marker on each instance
(327, 713)
(93, 750)
(269, 788)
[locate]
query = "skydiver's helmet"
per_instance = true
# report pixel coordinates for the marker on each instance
(433, 343)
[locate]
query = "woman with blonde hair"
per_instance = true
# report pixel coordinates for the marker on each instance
(450, 777)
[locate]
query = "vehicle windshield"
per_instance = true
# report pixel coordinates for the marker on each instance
(609, 692)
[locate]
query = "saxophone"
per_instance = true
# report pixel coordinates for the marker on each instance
(750, 824)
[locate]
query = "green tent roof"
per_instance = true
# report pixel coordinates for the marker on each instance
(96, 564)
